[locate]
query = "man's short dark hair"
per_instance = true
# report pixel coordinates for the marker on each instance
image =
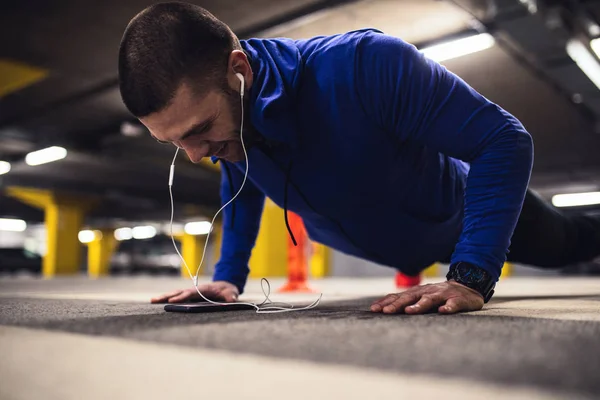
(167, 44)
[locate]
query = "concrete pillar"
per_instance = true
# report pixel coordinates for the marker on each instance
(191, 251)
(269, 256)
(432, 271)
(64, 216)
(320, 262)
(507, 270)
(100, 251)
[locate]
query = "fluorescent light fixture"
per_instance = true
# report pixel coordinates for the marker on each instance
(131, 130)
(143, 232)
(576, 199)
(46, 155)
(531, 5)
(4, 167)
(12, 225)
(595, 45)
(458, 48)
(585, 60)
(88, 236)
(197, 228)
(593, 29)
(123, 234)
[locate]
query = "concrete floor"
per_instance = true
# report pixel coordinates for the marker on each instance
(75, 338)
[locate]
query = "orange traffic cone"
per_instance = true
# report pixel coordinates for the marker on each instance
(407, 281)
(297, 260)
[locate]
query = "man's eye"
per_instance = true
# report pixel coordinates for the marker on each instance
(204, 129)
(199, 132)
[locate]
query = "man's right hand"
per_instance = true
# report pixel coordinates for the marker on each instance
(220, 291)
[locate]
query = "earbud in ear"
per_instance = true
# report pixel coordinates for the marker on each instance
(241, 78)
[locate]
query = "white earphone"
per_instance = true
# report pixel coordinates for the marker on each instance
(241, 78)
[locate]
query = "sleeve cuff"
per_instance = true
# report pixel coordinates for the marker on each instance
(235, 275)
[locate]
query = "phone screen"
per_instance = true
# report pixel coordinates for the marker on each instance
(206, 307)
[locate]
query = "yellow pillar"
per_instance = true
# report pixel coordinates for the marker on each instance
(100, 251)
(207, 162)
(15, 76)
(320, 261)
(63, 222)
(216, 239)
(63, 218)
(269, 256)
(507, 270)
(432, 271)
(192, 247)
(191, 251)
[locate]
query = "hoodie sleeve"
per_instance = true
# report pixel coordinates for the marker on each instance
(417, 100)
(241, 221)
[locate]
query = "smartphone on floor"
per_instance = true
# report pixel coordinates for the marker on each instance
(206, 307)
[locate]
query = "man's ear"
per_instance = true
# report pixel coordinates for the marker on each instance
(239, 64)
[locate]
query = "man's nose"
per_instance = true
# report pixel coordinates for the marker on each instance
(196, 153)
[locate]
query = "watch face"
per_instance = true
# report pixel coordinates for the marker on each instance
(473, 277)
(470, 274)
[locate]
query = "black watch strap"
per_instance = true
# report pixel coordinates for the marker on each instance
(473, 277)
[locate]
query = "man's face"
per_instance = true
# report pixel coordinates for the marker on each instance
(202, 125)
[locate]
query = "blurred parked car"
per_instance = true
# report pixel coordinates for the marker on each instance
(590, 268)
(16, 259)
(156, 255)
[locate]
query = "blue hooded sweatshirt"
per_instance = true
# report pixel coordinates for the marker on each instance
(385, 155)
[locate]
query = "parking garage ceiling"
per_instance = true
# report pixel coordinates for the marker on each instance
(72, 47)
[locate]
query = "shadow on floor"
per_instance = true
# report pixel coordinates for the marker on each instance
(505, 299)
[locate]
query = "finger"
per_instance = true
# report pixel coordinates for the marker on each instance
(387, 299)
(212, 293)
(164, 297)
(379, 304)
(209, 292)
(458, 304)
(185, 295)
(401, 302)
(226, 294)
(425, 304)
(230, 296)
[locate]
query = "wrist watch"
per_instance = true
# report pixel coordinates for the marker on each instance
(474, 277)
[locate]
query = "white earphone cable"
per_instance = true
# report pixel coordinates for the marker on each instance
(259, 308)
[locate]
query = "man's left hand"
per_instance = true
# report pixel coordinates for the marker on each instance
(447, 298)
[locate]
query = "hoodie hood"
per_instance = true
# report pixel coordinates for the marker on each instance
(277, 68)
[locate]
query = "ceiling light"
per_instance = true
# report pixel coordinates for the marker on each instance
(197, 228)
(88, 236)
(584, 59)
(576, 199)
(458, 48)
(47, 155)
(4, 167)
(123, 234)
(131, 130)
(595, 45)
(12, 225)
(593, 29)
(531, 5)
(143, 232)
